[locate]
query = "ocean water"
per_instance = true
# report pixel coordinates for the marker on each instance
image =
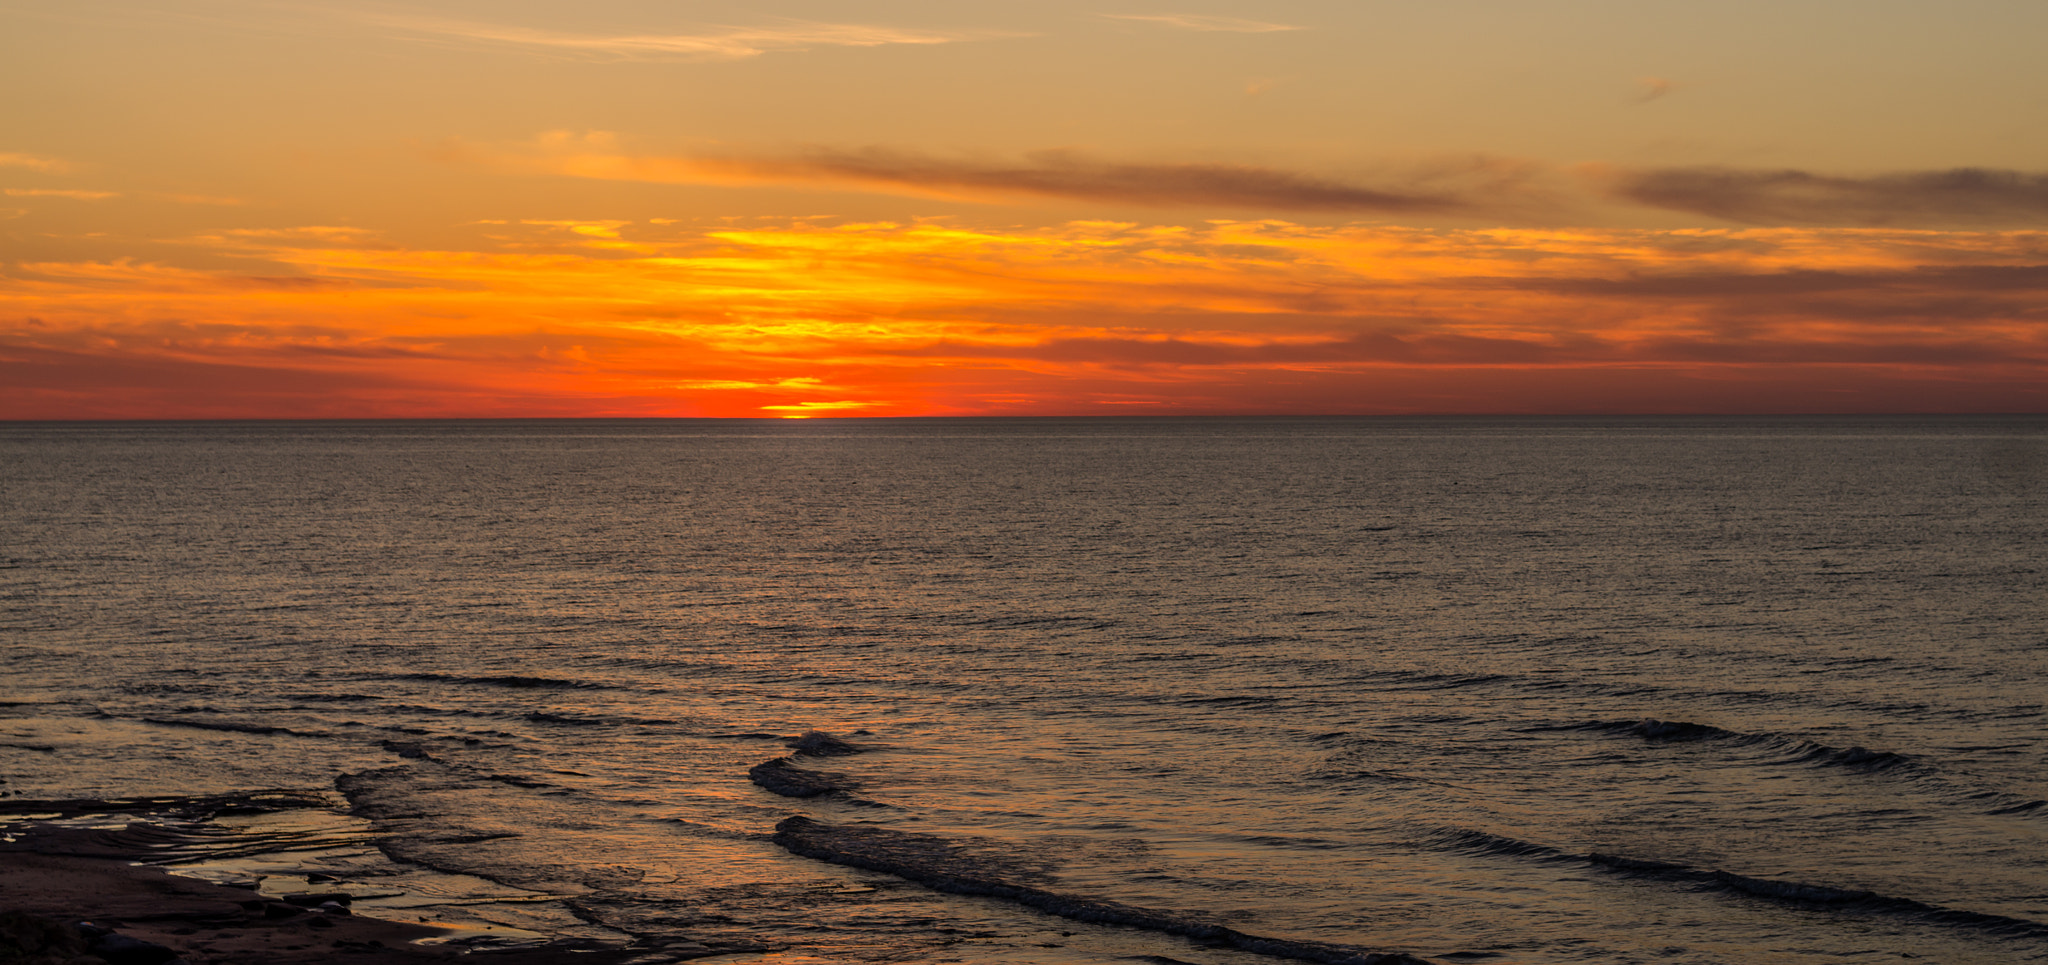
(1198, 690)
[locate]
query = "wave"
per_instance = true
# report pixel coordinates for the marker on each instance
(1803, 751)
(817, 743)
(588, 720)
(186, 807)
(1798, 893)
(783, 776)
(230, 726)
(1487, 843)
(324, 697)
(514, 681)
(938, 863)
(1795, 750)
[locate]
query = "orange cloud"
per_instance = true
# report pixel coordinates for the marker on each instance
(627, 318)
(34, 162)
(715, 43)
(73, 194)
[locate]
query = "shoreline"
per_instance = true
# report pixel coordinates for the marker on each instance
(55, 876)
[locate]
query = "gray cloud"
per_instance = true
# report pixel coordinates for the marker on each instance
(1958, 196)
(1064, 174)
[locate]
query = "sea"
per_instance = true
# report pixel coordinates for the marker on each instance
(1221, 691)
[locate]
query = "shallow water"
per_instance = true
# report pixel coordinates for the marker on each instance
(1545, 691)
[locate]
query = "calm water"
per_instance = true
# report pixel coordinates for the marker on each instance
(1542, 691)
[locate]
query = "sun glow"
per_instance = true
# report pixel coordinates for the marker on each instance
(621, 317)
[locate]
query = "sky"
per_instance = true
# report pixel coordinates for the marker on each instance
(811, 208)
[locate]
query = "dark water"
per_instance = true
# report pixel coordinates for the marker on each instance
(1539, 691)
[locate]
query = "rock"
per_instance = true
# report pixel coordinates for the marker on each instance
(30, 938)
(119, 949)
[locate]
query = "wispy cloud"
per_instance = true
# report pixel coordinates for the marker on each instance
(711, 43)
(203, 199)
(1958, 196)
(1444, 187)
(73, 194)
(34, 162)
(732, 385)
(1188, 21)
(840, 406)
(1652, 88)
(1067, 174)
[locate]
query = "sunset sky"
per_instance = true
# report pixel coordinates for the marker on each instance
(304, 208)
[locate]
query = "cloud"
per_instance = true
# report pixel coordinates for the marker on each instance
(73, 194)
(205, 199)
(721, 43)
(1969, 278)
(34, 162)
(799, 317)
(1362, 348)
(802, 407)
(799, 383)
(1065, 174)
(336, 234)
(1205, 23)
(1445, 187)
(1958, 196)
(1652, 88)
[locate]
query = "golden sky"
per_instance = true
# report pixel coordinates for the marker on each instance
(294, 208)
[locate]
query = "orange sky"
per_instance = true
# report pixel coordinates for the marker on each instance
(236, 209)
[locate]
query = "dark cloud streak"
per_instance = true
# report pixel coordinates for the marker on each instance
(1064, 174)
(1958, 196)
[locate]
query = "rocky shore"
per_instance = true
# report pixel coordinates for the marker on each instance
(75, 895)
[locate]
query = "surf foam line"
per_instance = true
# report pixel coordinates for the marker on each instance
(1786, 892)
(924, 859)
